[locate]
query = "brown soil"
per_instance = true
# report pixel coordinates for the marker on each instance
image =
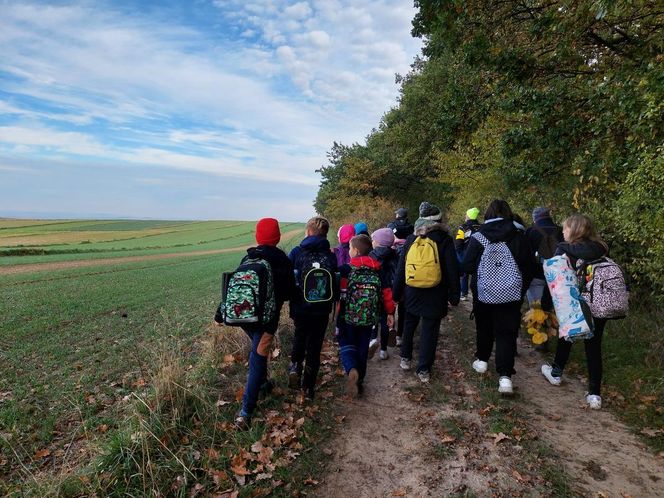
(63, 265)
(406, 439)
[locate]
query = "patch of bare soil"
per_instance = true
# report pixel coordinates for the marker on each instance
(599, 451)
(63, 265)
(407, 439)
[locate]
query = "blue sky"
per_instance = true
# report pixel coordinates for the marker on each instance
(200, 109)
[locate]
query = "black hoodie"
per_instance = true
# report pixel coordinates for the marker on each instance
(432, 302)
(501, 231)
(587, 250)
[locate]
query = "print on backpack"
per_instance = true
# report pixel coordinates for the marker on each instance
(363, 297)
(575, 321)
(248, 294)
(316, 278)
(604, 288)
(498, 276)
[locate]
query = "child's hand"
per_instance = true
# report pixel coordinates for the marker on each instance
(390, 321)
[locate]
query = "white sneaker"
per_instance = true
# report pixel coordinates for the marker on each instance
(405, 364)
(594, 401)
(546, 371)
(399, 341)
(383, 355)
(480, 366)
(424, 377)
(373, 346)
(463, 298)
(505, 385)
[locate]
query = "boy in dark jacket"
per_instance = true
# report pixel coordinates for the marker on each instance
(353, 338)
(465, 231)
(310, 319)
(267, 237)
(427, 304)
(498, 294)
(382, 241)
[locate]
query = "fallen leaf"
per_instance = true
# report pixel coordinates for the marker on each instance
(221, 402)
(497, 438)
(310, 482)
(263, 476)
(327, 451)
(229, 358)
(652, 432)
(238, 394)
(447, 439)
(556, 417)
(42, 454)
(103, 428)
(399, 492)
(257, 447)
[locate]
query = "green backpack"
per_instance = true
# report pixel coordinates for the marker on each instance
(363, 297)
(248, 294)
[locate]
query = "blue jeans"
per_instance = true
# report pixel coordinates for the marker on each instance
(464, 284)
(260, 347)
(354, 348)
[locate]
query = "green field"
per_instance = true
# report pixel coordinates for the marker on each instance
(75, 341)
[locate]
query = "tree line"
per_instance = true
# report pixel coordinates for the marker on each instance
(539, 102)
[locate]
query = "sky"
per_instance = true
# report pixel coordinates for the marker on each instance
(192, 109)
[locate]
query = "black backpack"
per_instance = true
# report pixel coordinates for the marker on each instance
(548, 243)
(316, 280)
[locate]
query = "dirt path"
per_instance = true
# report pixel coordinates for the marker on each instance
(599, 450)
(63, 265)
(406, 439)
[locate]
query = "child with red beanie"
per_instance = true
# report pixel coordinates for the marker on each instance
(345, 233)
(268, 236)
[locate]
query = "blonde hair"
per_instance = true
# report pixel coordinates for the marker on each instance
(318, 226)
(581, 228)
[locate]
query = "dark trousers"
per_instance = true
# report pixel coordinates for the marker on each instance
(354, 348)
(593, 348)
(307, 344)
(499, 323)
(260, 348)
(428, 340)
(464, 284)
(384, 331)
(401, 318)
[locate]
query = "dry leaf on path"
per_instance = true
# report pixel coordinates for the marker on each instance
(42, 454)
(399, 492)
(447, 439)
(310, 482)
(497, 438)
(238, 394)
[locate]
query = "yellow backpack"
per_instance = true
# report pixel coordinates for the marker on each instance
(423, 264)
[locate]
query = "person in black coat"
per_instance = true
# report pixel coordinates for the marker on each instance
(427, 304)
(267, 237)
(499, 284)
(581, 243)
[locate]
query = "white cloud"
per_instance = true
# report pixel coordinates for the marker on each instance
(298, 11)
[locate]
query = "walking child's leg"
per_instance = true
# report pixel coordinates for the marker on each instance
(315, 340)
(563, 350)
(260, 346)
(409, 327)
(484, 330)
(384, 331)
(362, 338)
(429, 333)
(401, 318)
(506, 322)
(347, 347)
(594, 358)
(302, 324)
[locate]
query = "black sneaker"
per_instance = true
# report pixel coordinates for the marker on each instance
(295, 376)
(242, 422)
(309, 394)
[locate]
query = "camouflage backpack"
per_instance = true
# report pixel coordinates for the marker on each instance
(248, 294)
(363, 297)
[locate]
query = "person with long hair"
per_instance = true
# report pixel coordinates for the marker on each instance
(501, 263)
(582, 242)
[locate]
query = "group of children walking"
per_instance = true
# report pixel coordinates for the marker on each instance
(414, 270)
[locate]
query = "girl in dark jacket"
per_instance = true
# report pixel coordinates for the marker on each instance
(427, 304)
(581, 242)
(502, 285)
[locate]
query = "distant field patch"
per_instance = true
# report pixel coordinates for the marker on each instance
(75, 237)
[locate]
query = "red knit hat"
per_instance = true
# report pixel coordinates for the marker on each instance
(267, 232)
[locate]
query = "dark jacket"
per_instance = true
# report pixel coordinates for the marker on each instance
(312, 243)
(463, 234)
(388, 305)
(534, 236)
(501, 231)
(587, 250)
(282, 273)
(389, 260)
(432, 302)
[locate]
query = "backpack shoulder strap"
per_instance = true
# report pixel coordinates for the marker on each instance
(481, 239)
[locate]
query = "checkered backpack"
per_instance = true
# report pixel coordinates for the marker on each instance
(498, 276)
